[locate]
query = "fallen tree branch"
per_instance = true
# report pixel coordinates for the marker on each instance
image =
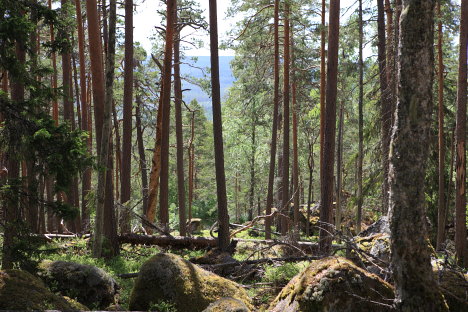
(239, 263)
(204, 242)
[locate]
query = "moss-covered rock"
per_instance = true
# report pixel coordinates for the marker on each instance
(20, 290)
(454, 286)
(334, 285)
(169, 278)
(227, 305)
(87, 284)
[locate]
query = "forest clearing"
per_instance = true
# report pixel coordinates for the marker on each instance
(247, 155)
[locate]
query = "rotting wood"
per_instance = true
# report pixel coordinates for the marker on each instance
(203, 242)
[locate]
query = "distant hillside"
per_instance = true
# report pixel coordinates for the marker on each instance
(198, 70)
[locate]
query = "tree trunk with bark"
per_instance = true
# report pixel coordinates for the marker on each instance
(339, 166)
(326, 175)
(460, 145)
(126, 169)
(166, 109)
(295, 110)
(385, 108)
(274, 132)
(441, 221)
(179, 131)
(416, 288)
(285, 203)
(223, 216)
(86, 180)
(361, 123)
(141, 150)
(12, 213)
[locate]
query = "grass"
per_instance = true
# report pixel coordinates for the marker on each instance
(262, 289)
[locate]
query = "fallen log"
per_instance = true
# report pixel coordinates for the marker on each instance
(205, 242)
(238, 263)
(175, 241)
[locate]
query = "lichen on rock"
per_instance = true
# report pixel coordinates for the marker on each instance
(87, 284)
(227, 305)
(169, 278)
(334, 285)
(19, 290)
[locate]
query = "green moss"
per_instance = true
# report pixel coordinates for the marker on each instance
(20, 290)
(227, 305)
(167, 277)
(333, 284)
(454, 287)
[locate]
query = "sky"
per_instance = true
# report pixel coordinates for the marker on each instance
(146, 19)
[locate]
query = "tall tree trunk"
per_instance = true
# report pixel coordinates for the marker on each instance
(285, 181)
(295, 109)
(339, 164)
(102, 111)
(460, 197)
(86, 182)
(274, 132)
(253, 151)
(110, 226)
(124, 216)
(68, 112)
(179, 131)
(310, 164)
(127, 116)
(141, 151)
(191, 156)
(166, 107)
(55, 111)
(361, 123)
(12, 209)
(323, 81)
(155, 166)
(326, 175)
(416, 289)
(385, 108)
(440, 78)
(223, 216)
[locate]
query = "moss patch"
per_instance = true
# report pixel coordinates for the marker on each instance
(334, 284)
(20, 290)
(227, 305)
(169, 278)
(87, 284)
(454, 287)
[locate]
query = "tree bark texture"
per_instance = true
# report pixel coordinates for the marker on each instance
(441, 220)
(285, 203)
(274, 132)
(326, 175)
(460, 145)
(141, 151)
(416, 289)
(166, 109)
(385, 108)
(125, 191)
(361, 123)
(179, 132)
(223, 216)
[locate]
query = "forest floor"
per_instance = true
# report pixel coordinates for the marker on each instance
(262, 281)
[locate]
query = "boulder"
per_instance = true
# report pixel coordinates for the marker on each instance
(227, 305)
(453, 285)
(334, 285)
(19, 290)
(377, 250)
(380, 226)
(87, 284)
(171, 279)
(194, 225)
